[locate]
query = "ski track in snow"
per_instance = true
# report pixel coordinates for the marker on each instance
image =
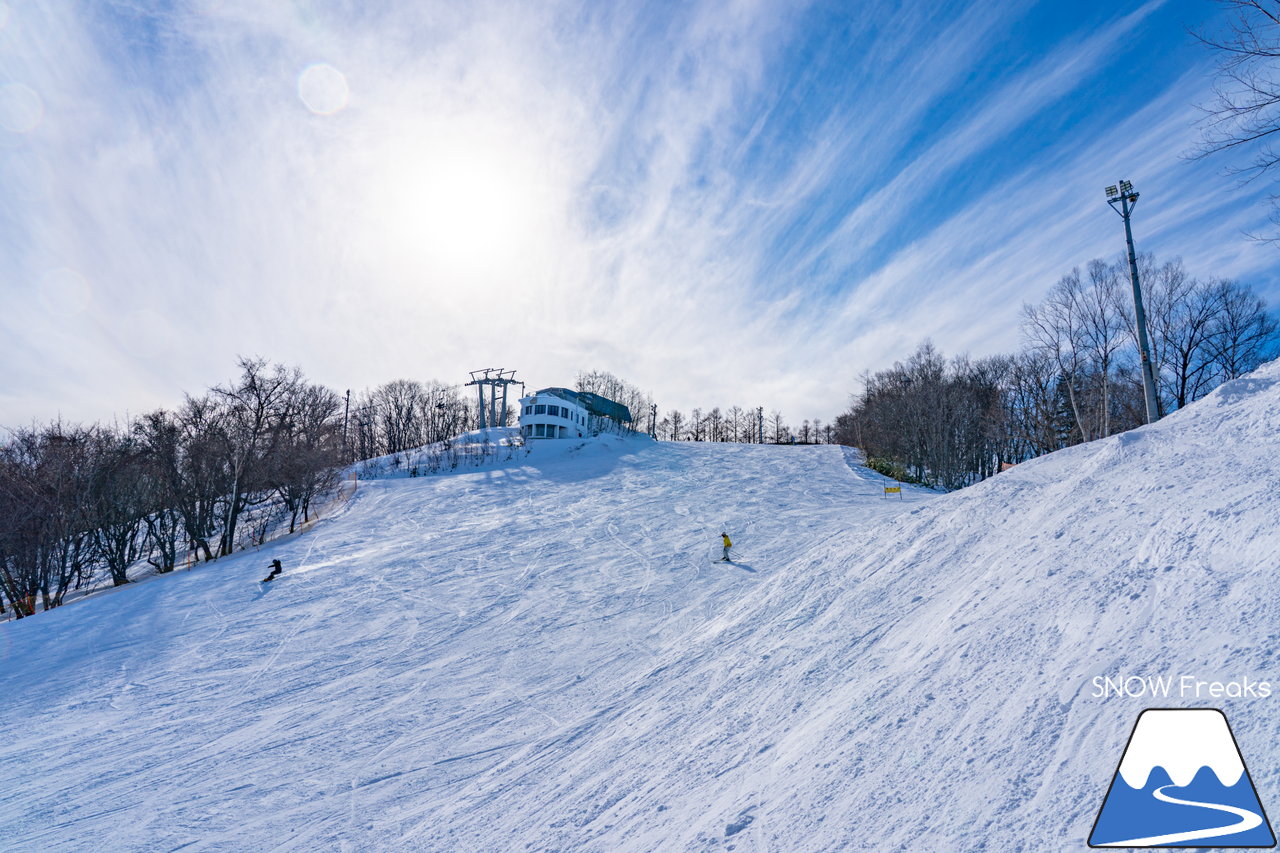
(542, 656)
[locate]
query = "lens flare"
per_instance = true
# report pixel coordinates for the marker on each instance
(323, 89)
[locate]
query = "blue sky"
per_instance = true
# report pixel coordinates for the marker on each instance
(723, 202)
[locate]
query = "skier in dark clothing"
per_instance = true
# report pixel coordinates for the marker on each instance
(276, 569)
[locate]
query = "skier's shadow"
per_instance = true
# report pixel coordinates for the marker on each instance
(744, 567)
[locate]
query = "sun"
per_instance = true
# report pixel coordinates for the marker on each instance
(462, 206)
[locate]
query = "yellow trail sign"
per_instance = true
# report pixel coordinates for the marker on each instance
(891, 490)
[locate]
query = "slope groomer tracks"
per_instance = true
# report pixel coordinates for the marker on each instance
(316, 537)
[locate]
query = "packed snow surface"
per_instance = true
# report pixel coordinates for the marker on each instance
(477, 449)
(544, 656)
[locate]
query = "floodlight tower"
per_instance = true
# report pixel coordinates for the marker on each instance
(1123, 198)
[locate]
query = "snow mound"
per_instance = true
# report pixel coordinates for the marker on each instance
(480, 450)
(544, 656)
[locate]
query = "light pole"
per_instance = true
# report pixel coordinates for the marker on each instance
(1126, 198)
(346, 412)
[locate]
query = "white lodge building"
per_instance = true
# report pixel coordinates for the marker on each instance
(561, 413)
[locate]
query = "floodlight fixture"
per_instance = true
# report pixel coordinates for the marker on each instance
(1122, 202)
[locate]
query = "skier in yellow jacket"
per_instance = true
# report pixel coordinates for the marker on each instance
(727, 546)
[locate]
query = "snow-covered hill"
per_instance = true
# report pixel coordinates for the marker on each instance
(545, 657)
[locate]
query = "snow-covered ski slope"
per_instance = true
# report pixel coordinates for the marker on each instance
(544, 657)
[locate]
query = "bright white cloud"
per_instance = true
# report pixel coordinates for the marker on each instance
(548, 187)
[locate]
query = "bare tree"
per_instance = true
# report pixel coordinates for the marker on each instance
(677, 421)
(1245, 112)
(186, 451)
(1080, 326)
(47, 536)
(778, 427)
(1076, 379)
(398, 407)
(253, 407)
(20, 535)
(444, 413)
(736, 422)
(1032, 413)
(307, 455)
(1055, 329)
(164, 533)
(1102, 332)
(715, 425)
(121, 501)
(1202, 332)
(1187, 332)
(611, 387)
(1244, 333)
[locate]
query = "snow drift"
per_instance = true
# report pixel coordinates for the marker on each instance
(544, 657)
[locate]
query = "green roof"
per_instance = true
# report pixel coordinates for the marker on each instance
(604, 407)
(594, 404)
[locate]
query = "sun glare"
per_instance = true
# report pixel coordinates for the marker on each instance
(465, 210)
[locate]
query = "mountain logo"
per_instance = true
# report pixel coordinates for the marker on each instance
(1182, 783)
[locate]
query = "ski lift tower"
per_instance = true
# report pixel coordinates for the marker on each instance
(492, 378)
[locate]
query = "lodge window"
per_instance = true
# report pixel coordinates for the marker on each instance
(539, 410)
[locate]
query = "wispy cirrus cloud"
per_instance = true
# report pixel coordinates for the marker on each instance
(718, 200)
